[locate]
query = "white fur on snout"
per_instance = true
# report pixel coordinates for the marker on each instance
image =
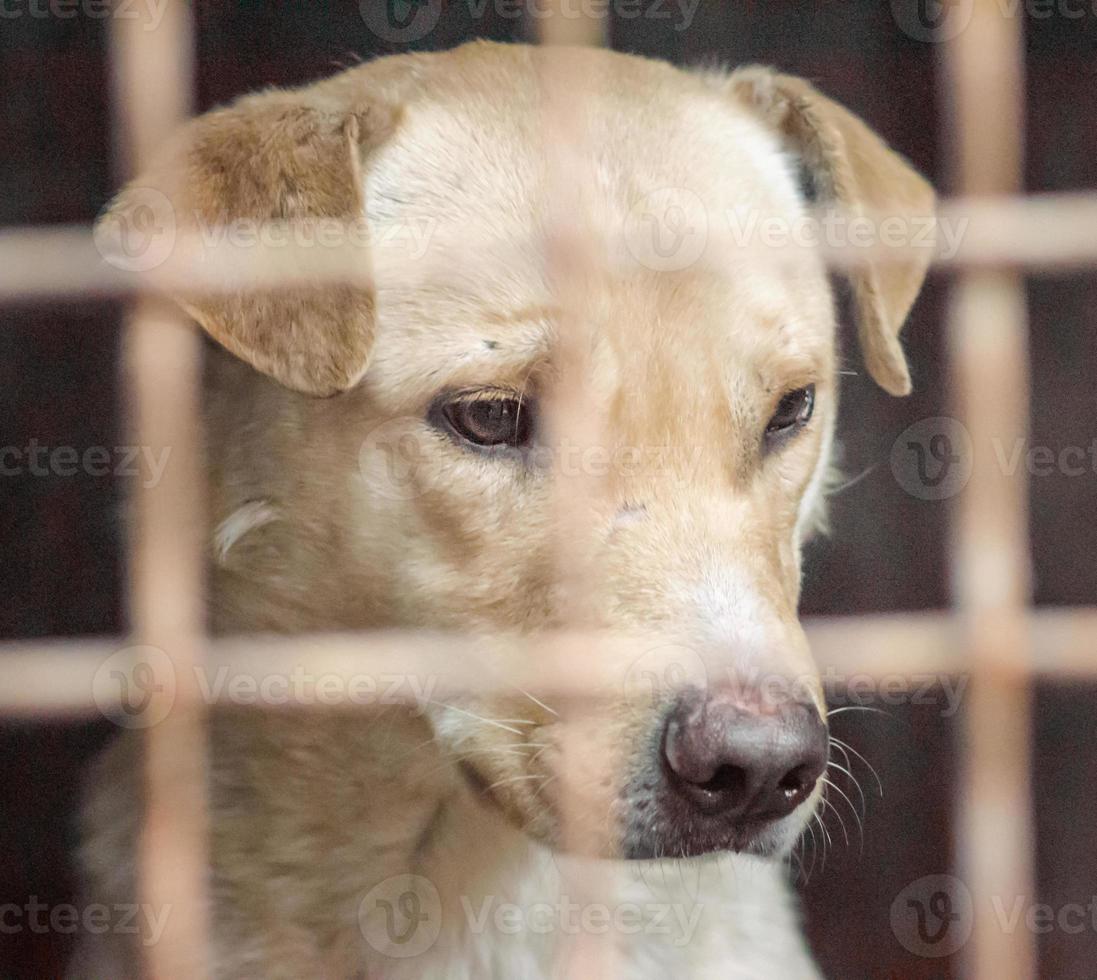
(740, 636)
(729, 613)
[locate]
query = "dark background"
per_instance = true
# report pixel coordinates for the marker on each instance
(62, 538)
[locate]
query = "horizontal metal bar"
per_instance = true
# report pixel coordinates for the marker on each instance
(1049, 232)
(74, 677)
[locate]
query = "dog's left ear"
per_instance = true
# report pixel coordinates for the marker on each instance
(273, 157)
(853, 168)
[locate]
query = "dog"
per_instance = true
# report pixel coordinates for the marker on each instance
(431, 841)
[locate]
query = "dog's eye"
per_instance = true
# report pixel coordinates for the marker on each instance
(793, 410)
(490, 422)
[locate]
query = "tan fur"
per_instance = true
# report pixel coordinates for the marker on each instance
(858, 171)
(696, 544)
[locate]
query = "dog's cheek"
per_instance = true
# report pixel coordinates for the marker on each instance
(486, 556)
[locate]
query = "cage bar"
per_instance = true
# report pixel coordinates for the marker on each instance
(990, 551)
(572, 415)
(153, 79)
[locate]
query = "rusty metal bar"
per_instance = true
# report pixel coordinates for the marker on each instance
(573, 415)
(58, 678)
(984, 67)
(1043, 233)
(562, 24)
(152, 78)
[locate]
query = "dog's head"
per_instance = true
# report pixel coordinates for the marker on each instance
(406, 454)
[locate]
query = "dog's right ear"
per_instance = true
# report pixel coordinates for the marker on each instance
(271, 157)
(850, 166)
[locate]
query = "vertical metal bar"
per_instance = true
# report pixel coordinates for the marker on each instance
(989, 347)
(563, 24)
(574, 420)
(153, 77)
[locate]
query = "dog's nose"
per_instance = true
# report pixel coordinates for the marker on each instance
(744, 759)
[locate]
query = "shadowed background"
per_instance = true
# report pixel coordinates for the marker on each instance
(63, 537)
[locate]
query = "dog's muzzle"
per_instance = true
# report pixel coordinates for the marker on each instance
(731, 765)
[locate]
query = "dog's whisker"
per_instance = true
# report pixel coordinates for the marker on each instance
(856, 816)
(433, 740)
(536, 701)
(845, 746)
(545, 746)
(495, 722)
(840, 746)
(800, 853)
(793, 856)
(513, 779)
(827, 839)
(838, 816)
(856, 784)
(539, 789)
(814, 850)
(856, 707)
(842, 488)
(518, 750)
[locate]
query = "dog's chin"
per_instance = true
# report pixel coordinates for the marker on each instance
(769, 839)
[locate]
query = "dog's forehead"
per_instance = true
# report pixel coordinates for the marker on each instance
(462, 202)
(483, 148)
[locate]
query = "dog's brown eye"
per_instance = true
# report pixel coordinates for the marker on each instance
(490, 421)
(793, 410)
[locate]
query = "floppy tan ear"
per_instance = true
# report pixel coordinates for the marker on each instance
(851, 167)
(273, 156)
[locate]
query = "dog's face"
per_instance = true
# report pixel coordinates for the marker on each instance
(525, 436)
